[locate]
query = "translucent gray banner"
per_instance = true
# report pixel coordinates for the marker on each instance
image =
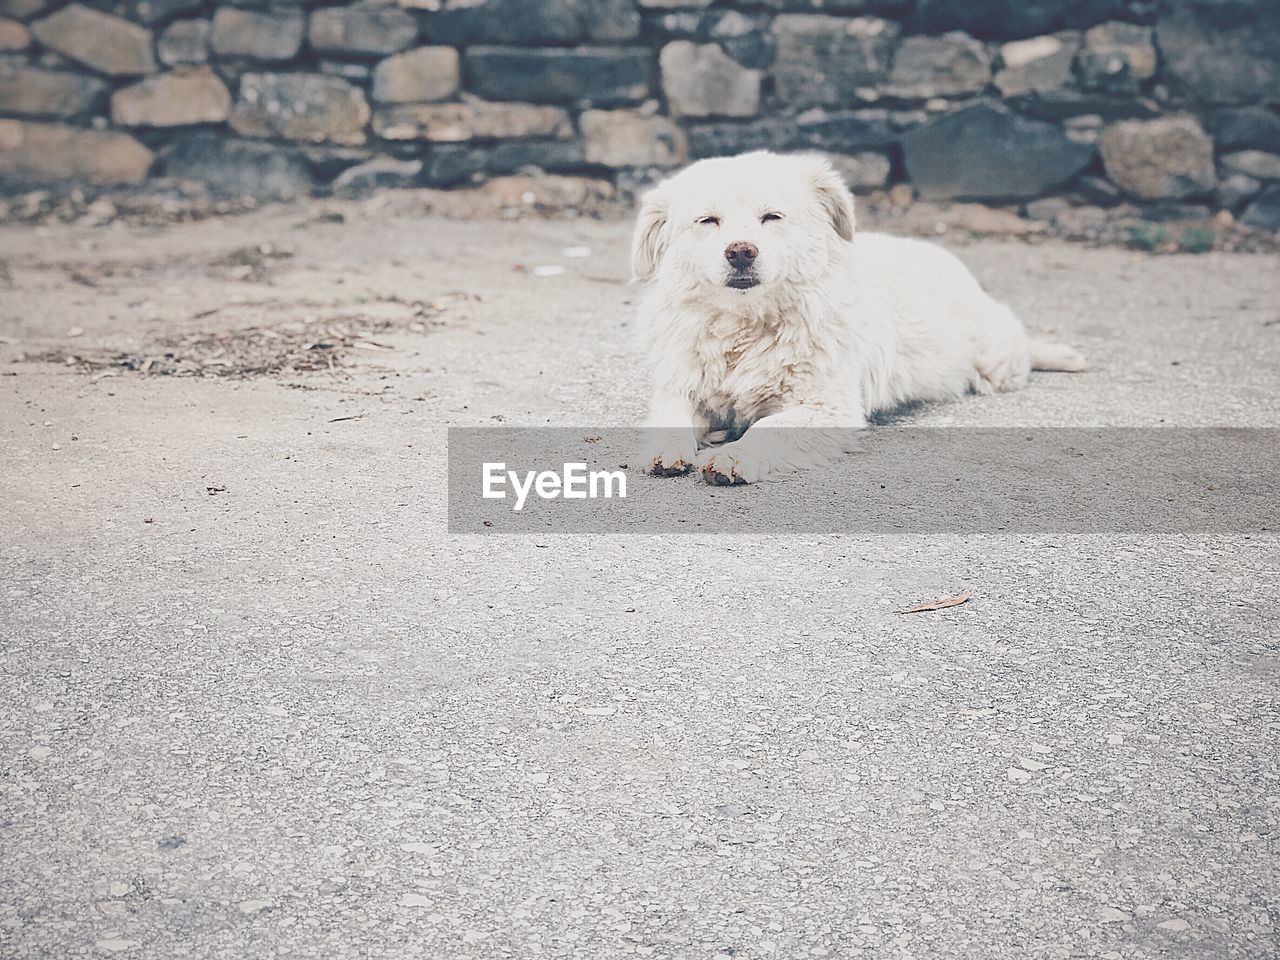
(506, 480)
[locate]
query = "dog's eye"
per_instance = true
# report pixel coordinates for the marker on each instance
(770, 216)
(712, 221)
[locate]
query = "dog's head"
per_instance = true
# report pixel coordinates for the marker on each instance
(740, 226)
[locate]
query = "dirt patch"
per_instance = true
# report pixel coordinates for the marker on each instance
(287, 348)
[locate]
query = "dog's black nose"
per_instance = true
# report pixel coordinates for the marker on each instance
(741, 254)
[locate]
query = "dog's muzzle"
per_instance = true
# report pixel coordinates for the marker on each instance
(742, 263)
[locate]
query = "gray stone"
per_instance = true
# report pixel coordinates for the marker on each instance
(986, 153)
(184, 41)
(428, 73)
(182, 97)
(13, 36)
(238, 167)
(327, 160)
(24, 9)
(52, 153)
(355, 71)
(1099, 190)
(948, 66)
(1013, 18)
(623, 138)
(1265, 211)
(33, 92)
(447, 165)
(380, 173)
(110, 45)
(611, 21)
(267, 37)
(520, 22)
(845, 132)
(159, 11)
(599, 75)
(849, 132)
(361, 30)
(1239, 128)
(704, 81)
(1236, 190)
(1117, 57)
(862, 171)
(726, 139)
(823, 61)
(1170, 158)
(1060, 105)
(520, 156)
(1252, 163)
(1221, 52)
(300, 106)
(745, 38)
(1037, 65)
(477, 120)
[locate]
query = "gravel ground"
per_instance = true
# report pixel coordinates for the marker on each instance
(254, 700)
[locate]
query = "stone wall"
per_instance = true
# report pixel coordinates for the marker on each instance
(1156, 102)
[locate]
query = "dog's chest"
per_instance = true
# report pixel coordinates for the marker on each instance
(746, 366)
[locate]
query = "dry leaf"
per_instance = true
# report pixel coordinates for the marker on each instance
(940, 604)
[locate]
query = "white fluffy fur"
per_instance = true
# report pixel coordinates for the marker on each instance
(839, 326)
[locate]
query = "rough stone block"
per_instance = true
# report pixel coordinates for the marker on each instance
(13, 36)
(23, 9)
(380, 173)
(238, 167)
(862, 171)
(823, 61)
(1264, 212)
(300, 106)
(1221, 52)
(742, 36)
(110, 45)
(1239, 128)
(1012, 19)
(184, 41)
(1236, 190)
(1170, 158)
(517, 156)
(704, 81)
(254, 35)
(603, 76)
(1257, 164)
(185, 96)
(948, 66)
(52, 153)
(1037, 65)
(34, 92)
(985, 153)
(1117, 57)
(460, 122)
(623, 138)
(361, 30)
(418, 76)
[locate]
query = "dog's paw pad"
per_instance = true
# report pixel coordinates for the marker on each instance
(722, 471)
(660, 467)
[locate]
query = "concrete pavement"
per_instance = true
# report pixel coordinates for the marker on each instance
(256, 702)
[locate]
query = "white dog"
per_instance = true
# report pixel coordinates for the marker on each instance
(761, 310)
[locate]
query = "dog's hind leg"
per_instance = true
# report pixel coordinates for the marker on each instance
(1047, 355)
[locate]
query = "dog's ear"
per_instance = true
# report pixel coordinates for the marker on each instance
(649, 240)
(835, 197)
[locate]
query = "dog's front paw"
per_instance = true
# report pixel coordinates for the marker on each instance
(671, 456)
(727, 466)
